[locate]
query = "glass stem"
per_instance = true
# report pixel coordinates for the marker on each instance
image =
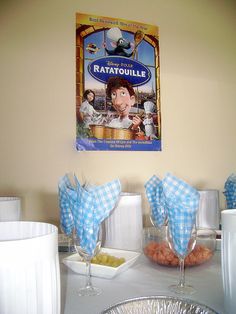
(88, 274)
(182, 273)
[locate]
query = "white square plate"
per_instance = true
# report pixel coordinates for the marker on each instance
(75, 263)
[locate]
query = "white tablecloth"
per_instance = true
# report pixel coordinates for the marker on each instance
(142, 279)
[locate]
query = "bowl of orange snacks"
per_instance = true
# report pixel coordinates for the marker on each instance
(157, 250)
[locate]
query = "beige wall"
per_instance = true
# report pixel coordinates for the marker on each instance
(37, 98)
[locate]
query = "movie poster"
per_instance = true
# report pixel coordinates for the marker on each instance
(117, 85)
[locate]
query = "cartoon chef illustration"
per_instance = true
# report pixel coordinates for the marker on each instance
(122, 96)
(119, 43)
(150, 130)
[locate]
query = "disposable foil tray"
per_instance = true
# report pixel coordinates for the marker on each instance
(158, 305)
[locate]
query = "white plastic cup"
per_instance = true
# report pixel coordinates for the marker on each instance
(10, 208)
(123, 228)
(29, 268)
(208, 214)
(228, 248)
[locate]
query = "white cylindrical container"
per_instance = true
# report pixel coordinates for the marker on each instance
(228, 248)
(208, 214)
(123, 228)
(10, 208)
(29, 268)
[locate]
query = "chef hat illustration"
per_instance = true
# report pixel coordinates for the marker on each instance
(149, 107)
(114, 34)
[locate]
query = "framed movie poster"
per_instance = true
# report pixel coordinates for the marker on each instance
(117, 85)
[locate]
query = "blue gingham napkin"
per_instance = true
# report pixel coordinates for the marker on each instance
(66, 218)
(230, 191)
(181, 202)
(89, 206)
(155, 196)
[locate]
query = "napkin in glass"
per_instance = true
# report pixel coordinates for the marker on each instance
(90, 205)
(155, 196)
(230, 191)
(182, 202)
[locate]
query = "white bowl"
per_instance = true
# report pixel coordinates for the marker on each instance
(75, 263)
(29, 268)
(10, 208)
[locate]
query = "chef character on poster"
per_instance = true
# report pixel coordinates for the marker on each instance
(122, 97)
(87, 111)
(150, 129)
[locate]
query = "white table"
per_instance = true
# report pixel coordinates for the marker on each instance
(142, 279)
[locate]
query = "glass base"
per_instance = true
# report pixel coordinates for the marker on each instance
(182, 289)
(89, 291)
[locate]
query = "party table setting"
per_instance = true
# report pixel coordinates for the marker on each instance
(173, 205)
(103, 259)
(142, 279)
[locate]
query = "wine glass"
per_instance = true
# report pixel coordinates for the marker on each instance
(88, 289)
(181, 287)
(66, 239)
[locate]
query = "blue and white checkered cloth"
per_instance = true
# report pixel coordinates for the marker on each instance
(181, 202)
(66, 218)
(230, 191)
(89, 207)
(155, 196)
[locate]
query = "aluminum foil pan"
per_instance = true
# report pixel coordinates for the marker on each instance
(158, 305)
